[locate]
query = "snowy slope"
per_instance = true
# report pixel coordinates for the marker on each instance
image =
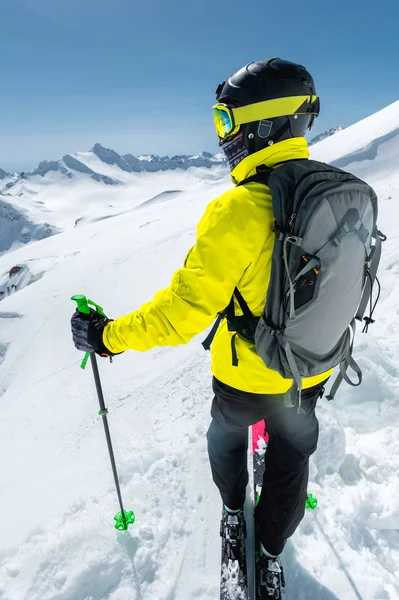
(63, 204)
(361, 142)
(57, 498)
(59, 194)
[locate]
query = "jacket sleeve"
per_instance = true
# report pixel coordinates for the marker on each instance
(197, 292)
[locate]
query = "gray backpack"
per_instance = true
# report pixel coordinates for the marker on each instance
(325, 258)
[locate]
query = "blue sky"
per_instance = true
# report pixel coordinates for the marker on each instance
(140, 75)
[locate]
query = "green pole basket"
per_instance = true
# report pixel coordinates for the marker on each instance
(123, 520)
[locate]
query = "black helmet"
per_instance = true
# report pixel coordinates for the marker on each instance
(271, 80)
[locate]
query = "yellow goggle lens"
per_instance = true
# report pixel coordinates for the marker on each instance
(223, 119)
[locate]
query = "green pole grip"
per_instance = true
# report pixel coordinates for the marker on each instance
(81, 301)
(84, 308)
(83, 305)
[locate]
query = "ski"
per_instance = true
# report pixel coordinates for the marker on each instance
(260, 438)
(266, 587)
(233, 581)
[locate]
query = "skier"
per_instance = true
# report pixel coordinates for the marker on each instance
(261, 116)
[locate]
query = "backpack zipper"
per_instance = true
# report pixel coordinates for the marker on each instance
(291, 223)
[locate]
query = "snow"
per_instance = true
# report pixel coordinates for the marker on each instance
(58, 499)
(61, 194)
(55, 203)
(369, 131)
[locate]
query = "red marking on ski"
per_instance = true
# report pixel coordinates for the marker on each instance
(259, 434)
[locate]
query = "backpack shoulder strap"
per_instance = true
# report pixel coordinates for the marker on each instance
(262, 176)
(263, 172)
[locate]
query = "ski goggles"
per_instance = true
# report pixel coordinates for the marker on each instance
(228, 119)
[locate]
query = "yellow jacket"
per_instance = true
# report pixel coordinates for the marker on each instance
(233, 248)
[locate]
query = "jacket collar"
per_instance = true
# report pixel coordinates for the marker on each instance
(286, 150)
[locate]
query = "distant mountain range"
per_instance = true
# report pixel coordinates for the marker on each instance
(92, 163)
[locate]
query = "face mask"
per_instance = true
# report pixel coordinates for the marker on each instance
(234, 150)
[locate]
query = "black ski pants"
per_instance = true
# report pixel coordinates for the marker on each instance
(292, 439)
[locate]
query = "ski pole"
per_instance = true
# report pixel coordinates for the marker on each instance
(124, 518)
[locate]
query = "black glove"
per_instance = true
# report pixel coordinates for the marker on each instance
(87, 332)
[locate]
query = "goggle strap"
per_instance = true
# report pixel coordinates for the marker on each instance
(279, 107)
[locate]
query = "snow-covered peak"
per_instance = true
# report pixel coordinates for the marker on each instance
(46, 166)
(110, 157)
(69, 165)
(4, 174)
(326, 134)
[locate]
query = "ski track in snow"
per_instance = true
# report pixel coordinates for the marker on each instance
(57, 494)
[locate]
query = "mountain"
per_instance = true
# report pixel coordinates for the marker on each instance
(95, 162)
(153, 163)
(325, 134)
(19, 225)
(67, 165)
(64, 547)
(4, 174)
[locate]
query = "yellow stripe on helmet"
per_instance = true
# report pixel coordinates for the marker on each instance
(269, 109)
